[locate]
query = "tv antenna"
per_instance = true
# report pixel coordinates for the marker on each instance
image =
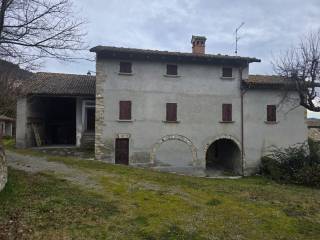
(237, 37)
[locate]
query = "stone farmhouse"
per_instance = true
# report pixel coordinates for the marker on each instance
(181, 112)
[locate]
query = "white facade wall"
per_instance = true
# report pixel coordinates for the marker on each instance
(199, 92)
(259, 136)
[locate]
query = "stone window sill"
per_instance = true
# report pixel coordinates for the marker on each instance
(171, 121)
(124, 120)
(271, 122)
(226, 122)
(125, 74)
(171, 76)
(227, 78)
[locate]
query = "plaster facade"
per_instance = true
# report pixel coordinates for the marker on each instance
(199, 91)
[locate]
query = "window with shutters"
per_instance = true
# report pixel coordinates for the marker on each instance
(171, 112)
(172, 69)
(226, 112)
(271, 113)
(125, 110)
(125, 67)
(227, 72)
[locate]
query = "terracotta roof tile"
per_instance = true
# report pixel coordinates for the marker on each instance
(266, 81)
(44, 83)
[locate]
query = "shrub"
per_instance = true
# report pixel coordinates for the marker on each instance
(298, 164)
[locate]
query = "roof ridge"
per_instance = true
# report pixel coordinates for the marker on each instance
(71, 74)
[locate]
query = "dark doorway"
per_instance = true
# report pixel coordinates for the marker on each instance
(90, 112)
(52, 120)
(122, 151)
(60, 121)
(224, 155)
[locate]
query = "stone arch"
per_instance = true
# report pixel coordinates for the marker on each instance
(223, 136)
(223, 153)
(180, 138)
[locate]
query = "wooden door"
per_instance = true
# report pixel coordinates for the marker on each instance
(122, 151)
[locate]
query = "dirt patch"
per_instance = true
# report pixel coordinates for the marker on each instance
(33, 164)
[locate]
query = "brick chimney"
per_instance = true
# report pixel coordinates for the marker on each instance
(198, 45)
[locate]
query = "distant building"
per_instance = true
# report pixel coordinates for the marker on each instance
(182, 112)
(7, 126)
(314, 128)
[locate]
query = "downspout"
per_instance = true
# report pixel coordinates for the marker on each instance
(242, 92)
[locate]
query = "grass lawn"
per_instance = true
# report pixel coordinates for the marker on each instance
(142, 204)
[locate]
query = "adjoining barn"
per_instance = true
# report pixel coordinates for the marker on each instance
(57, 109)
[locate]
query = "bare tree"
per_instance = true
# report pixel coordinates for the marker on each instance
(299, 67)
(11, 79)
(31, 30)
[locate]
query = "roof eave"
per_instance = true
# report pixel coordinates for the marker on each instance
(114, 52)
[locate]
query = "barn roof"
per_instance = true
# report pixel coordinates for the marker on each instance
(266, 82)
(5, 118)
(44, 83)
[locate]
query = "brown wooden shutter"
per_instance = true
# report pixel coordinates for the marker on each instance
(125, 67)
(226, 112)
(171, 112)
(125, 110)
(271, 113)
(172, 69)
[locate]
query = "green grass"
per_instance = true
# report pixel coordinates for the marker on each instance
(43, 207)
(143, 204)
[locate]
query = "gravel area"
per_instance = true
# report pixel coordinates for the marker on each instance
(33, 164)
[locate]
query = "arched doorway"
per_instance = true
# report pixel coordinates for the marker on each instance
(174, 151)
(224, 155)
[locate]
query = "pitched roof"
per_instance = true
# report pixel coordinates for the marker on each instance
(147, 54)
(44, 83)
(266, 81)
(313, 123)
(5, 118)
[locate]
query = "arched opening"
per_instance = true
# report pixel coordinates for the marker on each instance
(174, 153)
(224, 155)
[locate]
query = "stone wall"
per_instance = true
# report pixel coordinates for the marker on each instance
(3, 169)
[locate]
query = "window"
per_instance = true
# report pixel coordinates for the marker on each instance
(125, 67)
(226, 112)
(172, 69)
(171, 112)
(125, 110)
(227, 72)
(271, 113)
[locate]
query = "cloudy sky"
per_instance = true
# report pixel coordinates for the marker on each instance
(270, 26)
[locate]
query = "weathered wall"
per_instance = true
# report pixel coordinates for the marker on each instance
(3, 169)
(21, 128)
(260, 136)
(199, 92)
(28, 109)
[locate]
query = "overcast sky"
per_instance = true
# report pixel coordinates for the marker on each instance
(270, 27)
